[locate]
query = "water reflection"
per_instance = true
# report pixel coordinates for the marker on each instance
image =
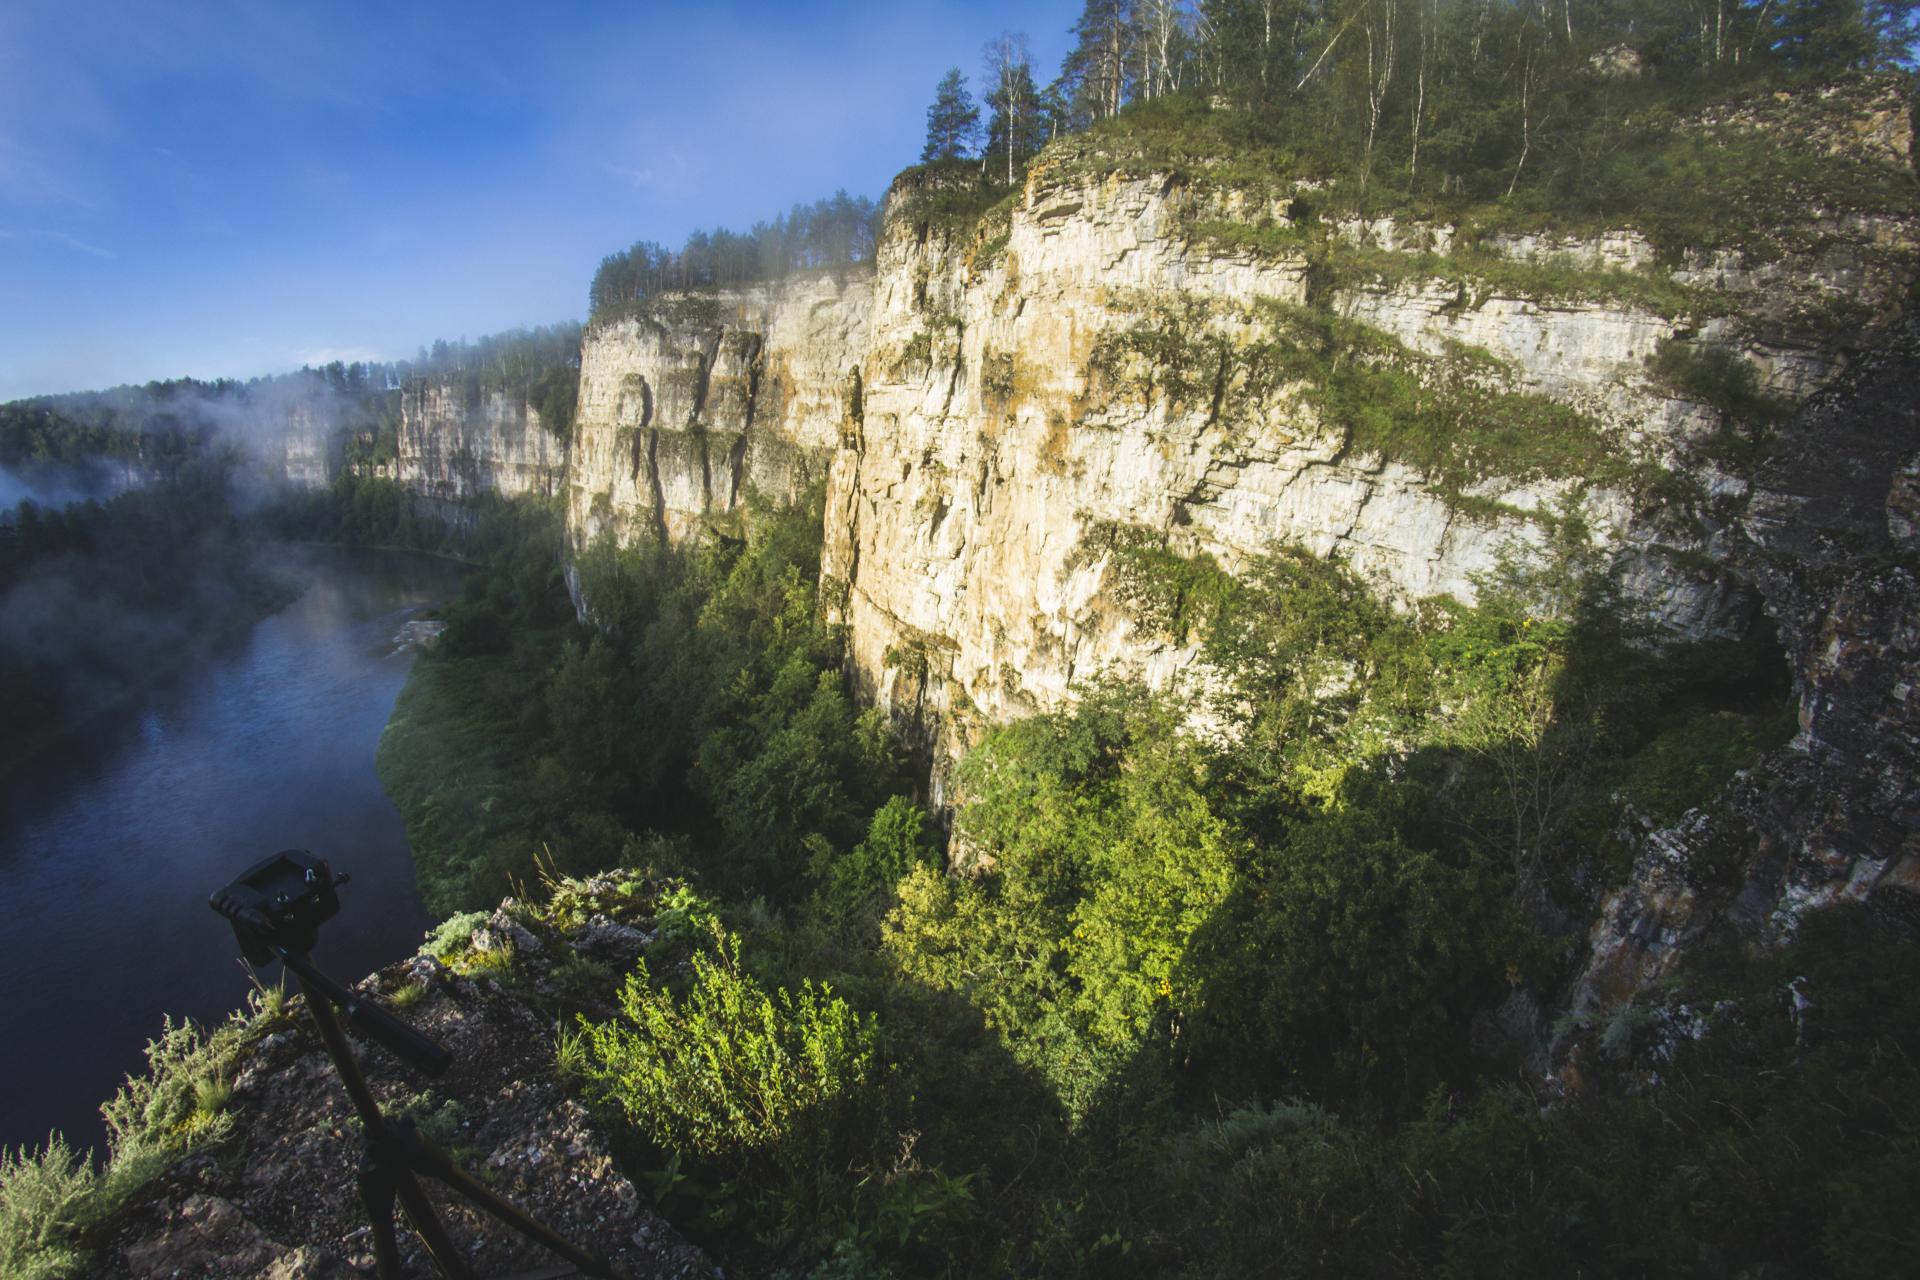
(109, 848)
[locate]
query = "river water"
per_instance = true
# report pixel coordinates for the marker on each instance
(108, 852)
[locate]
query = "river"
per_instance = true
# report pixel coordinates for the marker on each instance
(109, 849)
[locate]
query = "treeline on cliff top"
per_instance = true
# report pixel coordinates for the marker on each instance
(163, 424)
(1557, 108)
(1532, 111)
(837, 231)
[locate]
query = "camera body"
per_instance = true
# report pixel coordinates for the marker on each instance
(280, 901)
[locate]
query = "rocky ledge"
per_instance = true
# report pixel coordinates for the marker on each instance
(279, 1200)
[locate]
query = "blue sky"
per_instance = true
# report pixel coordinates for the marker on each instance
(234, 188)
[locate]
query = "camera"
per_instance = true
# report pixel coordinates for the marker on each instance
(280, 902)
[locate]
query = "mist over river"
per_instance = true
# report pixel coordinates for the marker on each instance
(108, 852)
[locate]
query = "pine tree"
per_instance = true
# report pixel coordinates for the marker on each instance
(953, 121)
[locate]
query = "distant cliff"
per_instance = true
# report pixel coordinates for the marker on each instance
(458, 440)
(685, 411)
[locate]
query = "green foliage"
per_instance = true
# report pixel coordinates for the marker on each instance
(683, 917)
(1715, 376)
(1166, 593)
(45, 1197)
(179, 1103)
(1351, 957)
(1499, 121)
(1690, 763)
(854, 891)
(51, 1197)
(1283, 1189)
(1106, 858)
(730, 1072)
(949, 199)
(1457, 418)
(1718, 377)
(706, 698)
(541, 366)
(953, 121)
(834, 232)
(453, 935)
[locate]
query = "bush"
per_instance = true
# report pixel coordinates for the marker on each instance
(453, 935)
(733, 1074)
(44, 1196)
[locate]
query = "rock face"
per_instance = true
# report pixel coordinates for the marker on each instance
(683, 413)
(1831, 539)
(458, 441)
(309, 446)
(1008, 411)
(988, 406)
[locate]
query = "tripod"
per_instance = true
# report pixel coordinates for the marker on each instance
(276, 908)
(397, 1153)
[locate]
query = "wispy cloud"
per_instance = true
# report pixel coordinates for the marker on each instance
(318, 356)
(61, 238)
(666, 172)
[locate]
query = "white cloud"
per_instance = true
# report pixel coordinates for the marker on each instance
(318, 356)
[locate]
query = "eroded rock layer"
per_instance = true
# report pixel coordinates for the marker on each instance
(1100, 364)
(685, 412)
(458, 441)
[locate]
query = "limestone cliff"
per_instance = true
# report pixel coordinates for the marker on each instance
(1120, 349)
(1095, 361)
(458, 440)
(685, 411)
(307, 448)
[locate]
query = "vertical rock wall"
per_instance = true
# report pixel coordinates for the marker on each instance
(458, 441)
(686, 411)
(1009, 412)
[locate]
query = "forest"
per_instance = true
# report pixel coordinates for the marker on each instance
(836, 232)
(1422, 98)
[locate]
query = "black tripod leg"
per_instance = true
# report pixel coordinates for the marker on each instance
(433, 1233)
(376, 1193)
(514, 1216)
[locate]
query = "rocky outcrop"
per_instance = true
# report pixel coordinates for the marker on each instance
(687, 410)
(457, 441)
(278, 1199)
(1026, 388)
(1831, 538)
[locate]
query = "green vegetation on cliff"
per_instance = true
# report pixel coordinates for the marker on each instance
(705, 700)
(1189, 981)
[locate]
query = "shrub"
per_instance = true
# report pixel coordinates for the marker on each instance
(453, 935)
(44, 1196)
(733, 1073)
(180, 1102)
